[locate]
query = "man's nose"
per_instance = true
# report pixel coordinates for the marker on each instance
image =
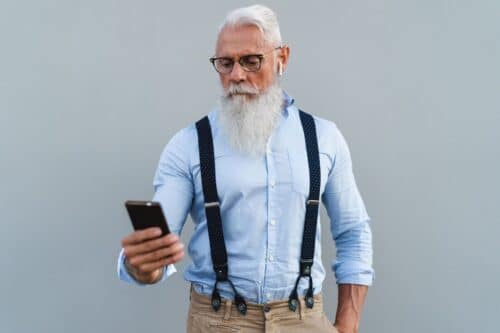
(237, 74)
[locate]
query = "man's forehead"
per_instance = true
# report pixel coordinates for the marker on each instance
(238, 40)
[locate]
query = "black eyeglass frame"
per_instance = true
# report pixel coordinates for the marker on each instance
(260, 56)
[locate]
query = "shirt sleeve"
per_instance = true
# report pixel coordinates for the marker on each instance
(349, 221)
(174, 191)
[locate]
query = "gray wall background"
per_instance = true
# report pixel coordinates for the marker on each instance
(90, 92)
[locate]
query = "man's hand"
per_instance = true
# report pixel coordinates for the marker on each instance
(146, 253)
(351, 300)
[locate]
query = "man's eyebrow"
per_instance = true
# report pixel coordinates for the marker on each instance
(240, 54)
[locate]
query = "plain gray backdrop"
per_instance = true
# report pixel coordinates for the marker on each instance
(91, 91)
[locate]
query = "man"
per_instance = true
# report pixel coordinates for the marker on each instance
(264, 178)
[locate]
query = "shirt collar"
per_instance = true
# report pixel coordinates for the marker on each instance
(287, 102)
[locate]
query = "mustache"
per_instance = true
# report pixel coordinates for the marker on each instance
(240, 88)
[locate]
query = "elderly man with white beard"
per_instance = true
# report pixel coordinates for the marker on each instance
(252, 174)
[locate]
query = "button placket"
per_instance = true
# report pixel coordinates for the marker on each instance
(270, 236)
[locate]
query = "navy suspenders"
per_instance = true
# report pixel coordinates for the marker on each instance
(312, 207)
(212, 211)
(214, 222)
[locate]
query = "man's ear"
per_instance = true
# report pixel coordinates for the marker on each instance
(283, 56)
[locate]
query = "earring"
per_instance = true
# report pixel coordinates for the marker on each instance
(280, 69)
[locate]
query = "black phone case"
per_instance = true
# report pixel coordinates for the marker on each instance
(146, 214)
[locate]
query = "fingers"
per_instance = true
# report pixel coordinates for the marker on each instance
(176, 257)
(146, 252)
(140, 236)
(149, 245)
(152, 266)
(175, 252)
(149, 267)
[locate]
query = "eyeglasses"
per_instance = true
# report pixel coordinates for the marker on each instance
(249, 62)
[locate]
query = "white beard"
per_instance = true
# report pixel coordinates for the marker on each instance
(249, 122)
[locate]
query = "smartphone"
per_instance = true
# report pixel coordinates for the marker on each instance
(147, 214)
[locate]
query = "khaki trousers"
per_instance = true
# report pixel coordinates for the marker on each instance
(274, 317)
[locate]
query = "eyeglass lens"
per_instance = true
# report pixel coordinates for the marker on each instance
(249, 63)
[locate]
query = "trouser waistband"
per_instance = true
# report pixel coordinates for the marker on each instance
(202, 303)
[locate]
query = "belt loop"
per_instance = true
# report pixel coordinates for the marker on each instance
(227, 310)
(190, 292)
(302, 307)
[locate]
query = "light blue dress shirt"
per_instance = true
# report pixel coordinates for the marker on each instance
(263, 207)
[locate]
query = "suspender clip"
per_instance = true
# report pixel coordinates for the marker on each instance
(313, 202)
(216, 300)
(292, 304)
(305, 267)
(241, 305)
(309, 298)
(221, 272)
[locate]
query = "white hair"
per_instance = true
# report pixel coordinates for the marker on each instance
(258, 15)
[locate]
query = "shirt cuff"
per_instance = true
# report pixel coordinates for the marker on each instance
(124, 275)
(354, 273)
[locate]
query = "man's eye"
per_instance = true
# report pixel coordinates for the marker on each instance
(251, 60)
(225, 63)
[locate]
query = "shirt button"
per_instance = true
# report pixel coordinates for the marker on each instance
(271, 258)
(273, 222)
(268, 295)
(273, 183)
